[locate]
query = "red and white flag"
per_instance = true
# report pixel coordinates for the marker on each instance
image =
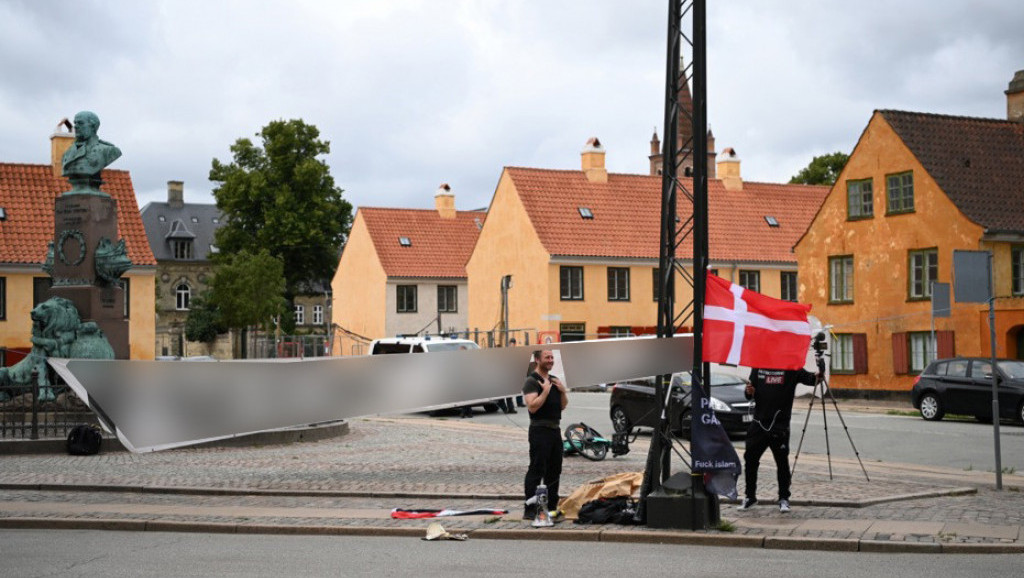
(742, 327)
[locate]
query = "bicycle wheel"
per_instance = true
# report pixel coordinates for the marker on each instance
(585, 446)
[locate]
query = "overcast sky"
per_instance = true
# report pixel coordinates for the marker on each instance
(412, 94)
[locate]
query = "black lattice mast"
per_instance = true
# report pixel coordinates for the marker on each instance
(681, 218)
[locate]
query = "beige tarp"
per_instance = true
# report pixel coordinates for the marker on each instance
(624, 484)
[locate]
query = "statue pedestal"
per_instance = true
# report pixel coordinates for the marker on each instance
(80, 221)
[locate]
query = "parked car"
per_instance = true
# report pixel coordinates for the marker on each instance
(633, 404)
(963, 385)
(392, 345)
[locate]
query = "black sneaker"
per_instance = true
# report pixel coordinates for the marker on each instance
(530, 512)
(747, 504)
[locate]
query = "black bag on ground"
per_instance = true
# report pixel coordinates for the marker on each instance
(84, 440)
(619, 510)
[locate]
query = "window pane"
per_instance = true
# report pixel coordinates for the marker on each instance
(842, 352)
(922, 351)
(1017, 265)
(788, 285)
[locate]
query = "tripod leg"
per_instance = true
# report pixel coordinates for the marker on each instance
(803, 432)
(846, 429)
(824, 417)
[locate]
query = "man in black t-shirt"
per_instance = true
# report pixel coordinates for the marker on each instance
(772, 391)
(546, 397)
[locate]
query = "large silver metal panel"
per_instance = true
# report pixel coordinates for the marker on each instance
(153, 405)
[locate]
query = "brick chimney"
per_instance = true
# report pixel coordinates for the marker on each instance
(444, 201)
(175, 194)
(592, 157)
(1015, 98)
(60, 142)
(729, 170)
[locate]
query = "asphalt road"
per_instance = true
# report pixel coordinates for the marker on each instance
(877, 437)
(73, 553)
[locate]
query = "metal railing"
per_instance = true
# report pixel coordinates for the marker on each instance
(25, 414)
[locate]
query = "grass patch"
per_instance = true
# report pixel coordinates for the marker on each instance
(725, 526)
(903, 412)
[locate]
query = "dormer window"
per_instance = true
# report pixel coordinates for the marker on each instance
(195, 219)
(161, 218)
(586, 213)
(216, 220)
(405, 241)
(772, 221)
(182, 249)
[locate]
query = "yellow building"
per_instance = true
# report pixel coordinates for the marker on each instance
(27, 193)
(582, 246)
(403, 271)
(916, 188)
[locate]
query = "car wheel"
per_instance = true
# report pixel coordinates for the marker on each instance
(620, 421)
(683, 424)
(490, 407)
(931, 407)
(1020, 413)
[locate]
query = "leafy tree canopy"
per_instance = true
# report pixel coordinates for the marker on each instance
(281, 197)
(823, 170)
(248, 289)
(204, 321)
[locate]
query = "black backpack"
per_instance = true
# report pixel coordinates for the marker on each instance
(84, 440)
(620, 510)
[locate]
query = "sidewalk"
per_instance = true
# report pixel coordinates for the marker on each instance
(349, 484)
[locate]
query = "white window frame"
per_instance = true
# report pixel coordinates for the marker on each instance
(182, 296)
(842, 352)
(922, 350)
(300, 314)
(318, 315)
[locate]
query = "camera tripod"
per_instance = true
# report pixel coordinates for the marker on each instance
(819, 357)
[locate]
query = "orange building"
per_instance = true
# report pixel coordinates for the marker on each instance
(916, 188)
(27, 193)
(403, 271)
(582, 245)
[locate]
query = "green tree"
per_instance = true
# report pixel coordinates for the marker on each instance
(248, 289)
(204, 321)
(281, 197)
(823, 170)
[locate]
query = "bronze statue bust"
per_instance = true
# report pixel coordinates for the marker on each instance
(89, 155)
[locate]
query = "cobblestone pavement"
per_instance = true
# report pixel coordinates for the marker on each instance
(350, 484)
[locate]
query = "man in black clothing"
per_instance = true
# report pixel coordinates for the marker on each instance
(772, 391)
(546, 397)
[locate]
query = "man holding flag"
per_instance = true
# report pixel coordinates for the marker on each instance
(742, 327)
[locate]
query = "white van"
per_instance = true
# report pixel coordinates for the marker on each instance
(391, 345)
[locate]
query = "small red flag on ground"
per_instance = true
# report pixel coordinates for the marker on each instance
(742, 327)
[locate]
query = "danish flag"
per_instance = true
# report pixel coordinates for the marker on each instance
(742, 327)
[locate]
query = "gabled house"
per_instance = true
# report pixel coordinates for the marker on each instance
(582, 246)
(917, 187)
(27, 194)
(181, 236)
(403, 271)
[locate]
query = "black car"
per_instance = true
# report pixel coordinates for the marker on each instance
(964, 386)
(633, 404)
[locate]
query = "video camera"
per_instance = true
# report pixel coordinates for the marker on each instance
(819, 344)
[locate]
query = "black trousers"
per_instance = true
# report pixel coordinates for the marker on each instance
(758, 440)
(545, 463)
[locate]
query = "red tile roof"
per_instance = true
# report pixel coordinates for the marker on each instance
(978, 163)
(439, 247)
(27, 193)
(627, 215)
